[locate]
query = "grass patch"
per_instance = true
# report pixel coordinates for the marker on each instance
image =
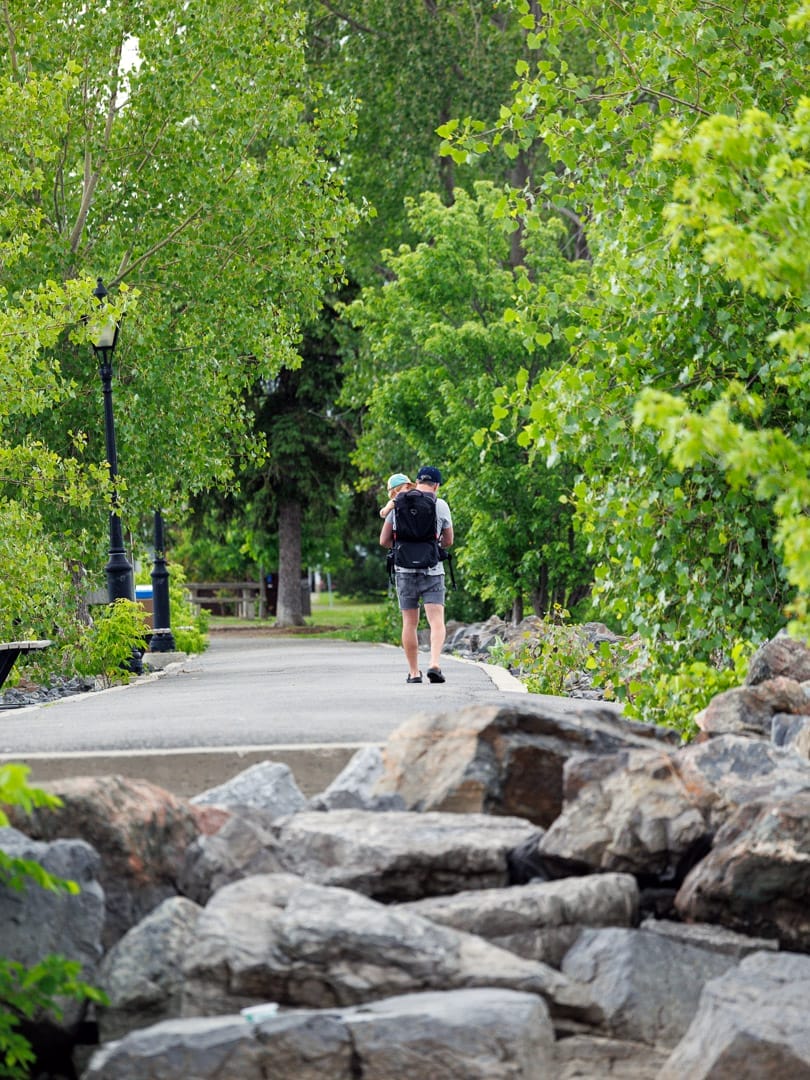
(332, 617)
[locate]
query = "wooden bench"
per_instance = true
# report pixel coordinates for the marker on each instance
(10, 650)
(246, 598)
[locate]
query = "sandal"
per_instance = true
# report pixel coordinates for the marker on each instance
(434, 674)
(415, 678)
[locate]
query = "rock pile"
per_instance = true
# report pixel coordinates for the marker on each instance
(542, 889)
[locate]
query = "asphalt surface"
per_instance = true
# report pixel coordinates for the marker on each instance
(310, 701)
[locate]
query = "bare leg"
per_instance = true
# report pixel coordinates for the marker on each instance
(438, 632)
(410, 642)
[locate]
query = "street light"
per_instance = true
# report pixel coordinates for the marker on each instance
(162, 639)
(120, 579)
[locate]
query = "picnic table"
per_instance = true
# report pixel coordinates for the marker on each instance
(10, 650)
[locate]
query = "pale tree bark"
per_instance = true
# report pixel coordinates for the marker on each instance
(289, 605)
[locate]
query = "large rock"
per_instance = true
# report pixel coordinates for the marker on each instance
(749, 710)
(273, 937)
(541, 921)
(140, 831)
(781, 655)
(243, 846)
(268, 786)
(653, 814)
(481, 1034)
(633, 816)
(751, 1023)
(729, 771)
(37, 922)
(792, 733)
(504, 759)
(647, 985)
(756, 878)
(596, 1057)
(398, 855)
(141, 975)
(353, 787)
(707, 936)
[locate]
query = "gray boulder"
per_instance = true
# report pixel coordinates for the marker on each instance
(267, 785)
(630, 814)
(243, 846)
(140, 831)
(749, 710)
(538, 921)
(782, 655)
(141, 974)
(481, 1034)
(707, 936)
(755, 879)
(751, 1022)
(274, 937)
(504, 759)
(353, 787)
(653, 814)
(37, 922)
(400, 856)
(792, 732)
(646, 984)
(597, 1057)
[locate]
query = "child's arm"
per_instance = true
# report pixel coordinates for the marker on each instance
(386, 510)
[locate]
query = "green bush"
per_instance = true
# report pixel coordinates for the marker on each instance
(557, 651)
(105, 648)
(673, 695)
(28, 993)
(189, 626)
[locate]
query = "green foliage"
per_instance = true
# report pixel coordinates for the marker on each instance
(672, 694)
(189, 625)
(15, 791)
(30, 992)
(556, 652)
(407, 76)
(743, 200)
(195, 172)
(383, 624)
(683, 554)
(106, 647)
(437, 341)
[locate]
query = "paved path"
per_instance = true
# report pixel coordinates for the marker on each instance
(309, 701)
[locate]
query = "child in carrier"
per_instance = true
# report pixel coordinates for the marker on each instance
(396, 483)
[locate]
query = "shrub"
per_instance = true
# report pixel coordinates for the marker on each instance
(105, 648)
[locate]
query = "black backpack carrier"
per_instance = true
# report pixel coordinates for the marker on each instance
(416, 545)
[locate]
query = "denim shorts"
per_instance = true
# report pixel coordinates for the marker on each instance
(418, 585)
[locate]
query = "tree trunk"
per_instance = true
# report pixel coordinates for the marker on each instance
(517, 610)
(288, 605)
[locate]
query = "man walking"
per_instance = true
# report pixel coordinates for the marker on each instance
(422, 582)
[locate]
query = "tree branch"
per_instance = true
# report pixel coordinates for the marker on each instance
(91, 178)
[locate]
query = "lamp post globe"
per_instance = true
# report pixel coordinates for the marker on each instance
(120, 577)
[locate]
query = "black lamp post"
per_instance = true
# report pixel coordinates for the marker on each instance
(162, 639)
(120, 580)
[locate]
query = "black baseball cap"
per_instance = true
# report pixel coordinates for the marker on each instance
(429, 475)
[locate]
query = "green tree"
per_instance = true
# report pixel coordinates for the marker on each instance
(411, 69)
(681, 556)
(183, 152)
(744, 199)
(437, 341)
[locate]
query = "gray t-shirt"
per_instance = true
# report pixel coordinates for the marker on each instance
(443, 521)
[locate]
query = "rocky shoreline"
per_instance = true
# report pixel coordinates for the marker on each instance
(520, 891)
